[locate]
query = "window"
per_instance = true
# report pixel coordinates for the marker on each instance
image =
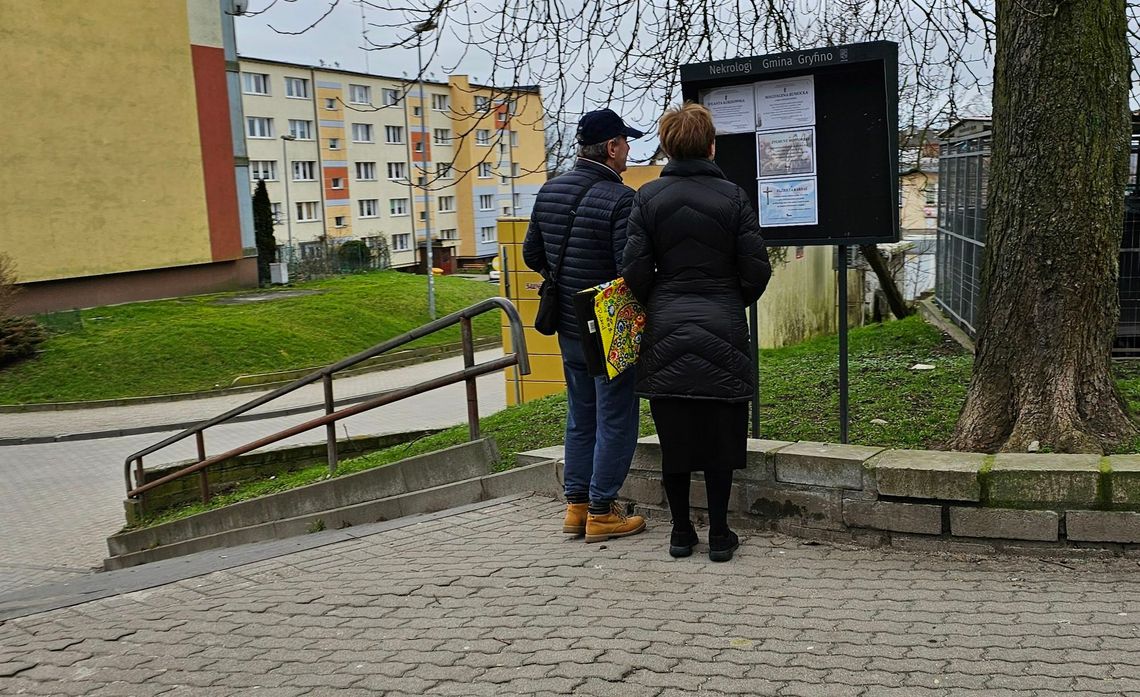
(301, 130)
(304, 170)
(419, 146)
(312, 250)
(263, 169)
(931, 194)
(297, 87)
(502, 146)
(514, 139)
(275, 208)
(417, 111)
(449, 233)
(366, 171)
(398, 206)
(482, 103)
(423, 215)
(486, 202)
(446, 204)
(307, 211)
(397, 170)
(439, 102)
(482, 137)
(258, 127)
(443, 170)
(255, 83)
(484, 170)
(362, 132)
(441, 136)
(487, 234)
(391, 97)
(516, 199)
(506, 210)
(334, 143)
(330, 103)
(394, 135)
(505, 180)
(514, 169)
(401, 243)
(359, 94)
(336, 183)
(369, 208)
(421, 180)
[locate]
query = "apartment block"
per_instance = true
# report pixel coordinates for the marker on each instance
(354, 156)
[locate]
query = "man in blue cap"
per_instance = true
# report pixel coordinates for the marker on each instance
(577, 236)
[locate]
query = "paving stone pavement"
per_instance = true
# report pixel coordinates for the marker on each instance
(494, 601)
(60, 501)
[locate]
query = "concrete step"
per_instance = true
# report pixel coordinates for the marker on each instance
(423, 484)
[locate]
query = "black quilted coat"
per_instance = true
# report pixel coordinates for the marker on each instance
(594, 253)
(696, 260)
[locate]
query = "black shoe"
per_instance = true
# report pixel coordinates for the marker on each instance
(683, 539)
(721, 547)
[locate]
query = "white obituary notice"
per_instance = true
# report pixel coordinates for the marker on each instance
(786, 103)
(733, 108)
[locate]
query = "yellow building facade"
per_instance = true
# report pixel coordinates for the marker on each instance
(121, 182)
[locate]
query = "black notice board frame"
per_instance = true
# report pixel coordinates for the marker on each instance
(856, 93)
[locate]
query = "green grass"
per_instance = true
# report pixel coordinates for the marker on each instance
(194, 344)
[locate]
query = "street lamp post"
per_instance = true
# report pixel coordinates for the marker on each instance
(420, 29)
(285, 175)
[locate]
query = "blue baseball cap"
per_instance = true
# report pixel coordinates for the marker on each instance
(601, 125)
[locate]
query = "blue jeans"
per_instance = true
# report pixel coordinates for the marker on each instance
(601, 427)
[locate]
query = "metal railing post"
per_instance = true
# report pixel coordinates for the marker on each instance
(330, 429)
(203, 479)
(140, 480)
(472, 390)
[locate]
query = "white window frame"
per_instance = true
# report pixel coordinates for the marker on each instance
(483, 136)
(401, 241)
(482, 103)
(398, 207)
(390, 97)
(516, 201)
(485, 170)
(400, 169)
(484, 236)
(334, 143)
(448, 233)
(356, 92)
(338, 221)
(441, 136)
(399, 134)
(336, 183)
(256, 167)
(446, 204)
(300, 166)
(363, 133)
(514, 139)
(275, 210)
(266, 121)
(313, 207)
(440, 102)
(486, 202)
(248, 83)
(301, 129)
(365, 168)
(443, 170)
(330, 103)
(369, 207)
(292, 82)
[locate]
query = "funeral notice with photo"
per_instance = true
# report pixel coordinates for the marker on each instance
(785, 153)
(786, 103)
(733, 108)
(785, 202)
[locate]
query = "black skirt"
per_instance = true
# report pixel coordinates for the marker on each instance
(698, 435)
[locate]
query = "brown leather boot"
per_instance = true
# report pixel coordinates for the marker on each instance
(575, 521)
(601, 527)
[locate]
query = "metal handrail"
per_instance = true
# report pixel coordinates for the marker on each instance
(468, 374)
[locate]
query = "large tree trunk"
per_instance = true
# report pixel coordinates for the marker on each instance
(1061, 131)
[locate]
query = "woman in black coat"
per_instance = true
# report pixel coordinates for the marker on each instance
(696, 260)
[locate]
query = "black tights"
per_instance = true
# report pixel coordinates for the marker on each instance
(718, 485)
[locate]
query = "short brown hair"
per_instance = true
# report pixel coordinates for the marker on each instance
(687, 131)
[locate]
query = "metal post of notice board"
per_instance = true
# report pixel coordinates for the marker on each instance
(843, 344)
(754, 329)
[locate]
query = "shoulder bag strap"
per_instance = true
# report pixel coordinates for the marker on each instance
(569, 232)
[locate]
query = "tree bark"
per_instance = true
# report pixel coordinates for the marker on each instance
(894, 296)
(1061, 130)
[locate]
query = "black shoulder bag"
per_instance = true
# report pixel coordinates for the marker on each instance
(546, 319)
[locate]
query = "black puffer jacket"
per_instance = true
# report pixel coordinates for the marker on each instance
(594, 252)
(695, 259)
